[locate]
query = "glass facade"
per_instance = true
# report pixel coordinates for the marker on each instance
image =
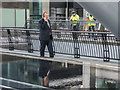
(36, 10)
(35, 13)
(13, 14)
(16, 17)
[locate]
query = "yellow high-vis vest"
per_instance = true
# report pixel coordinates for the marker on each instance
(92, 21)
(74, 19)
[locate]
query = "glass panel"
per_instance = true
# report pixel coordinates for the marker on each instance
(20, 17)
(8, 21)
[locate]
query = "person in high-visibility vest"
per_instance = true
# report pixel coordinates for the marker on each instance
(91, 23)
(75, 19)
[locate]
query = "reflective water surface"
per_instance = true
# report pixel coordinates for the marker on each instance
(20, 72)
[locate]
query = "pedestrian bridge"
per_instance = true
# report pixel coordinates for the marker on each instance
(78, 63)
(103, 45)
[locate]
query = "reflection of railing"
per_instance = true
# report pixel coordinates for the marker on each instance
(92, 44)
(61, 24)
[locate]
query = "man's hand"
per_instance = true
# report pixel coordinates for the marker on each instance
(45, 81)
(70, 19)
(45, 19)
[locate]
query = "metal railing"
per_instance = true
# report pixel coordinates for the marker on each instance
(62, 24)
(89, 44)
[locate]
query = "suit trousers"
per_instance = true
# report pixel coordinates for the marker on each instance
(45, 43)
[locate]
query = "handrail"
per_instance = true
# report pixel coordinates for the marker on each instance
(56, 31)
(77, 43)
(64, 21)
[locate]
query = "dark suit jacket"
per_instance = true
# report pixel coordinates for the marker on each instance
(45, 30)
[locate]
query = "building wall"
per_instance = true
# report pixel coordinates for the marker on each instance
(45, 6)
(13, 17)
(13, 14)
(17, 5)
(35, 10)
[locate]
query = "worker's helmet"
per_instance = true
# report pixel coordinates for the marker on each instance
(73, 12)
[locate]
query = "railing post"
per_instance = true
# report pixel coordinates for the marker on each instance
(30, 46)
(11, 46)
(53, 47)
(106, 54)
(76, 48)
(118, 45)
(16, 36)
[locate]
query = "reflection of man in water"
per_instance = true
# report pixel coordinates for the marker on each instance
(44, 72)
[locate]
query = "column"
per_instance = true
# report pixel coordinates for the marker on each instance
(45, 6)
(92, 76)
(86, 75)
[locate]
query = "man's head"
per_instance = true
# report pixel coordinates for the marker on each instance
(45, 14)
(90, 15)
(73, 13)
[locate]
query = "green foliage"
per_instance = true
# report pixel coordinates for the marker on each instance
(102, 27)
(54, 25)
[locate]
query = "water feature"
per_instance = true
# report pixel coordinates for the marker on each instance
(21, 72)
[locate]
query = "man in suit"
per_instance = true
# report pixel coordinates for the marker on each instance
(45, 35)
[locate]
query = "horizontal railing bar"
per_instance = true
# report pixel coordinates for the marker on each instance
(91, 44)
(56, 30)
(12, 27)
(63, 21)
